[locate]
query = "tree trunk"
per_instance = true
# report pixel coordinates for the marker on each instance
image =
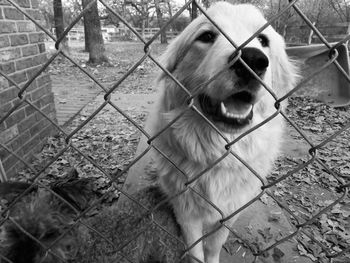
(86, 40)
(163, 38)
(93, 34)
(170, 9)
(143, 28)
(59, 24)
(194, 11)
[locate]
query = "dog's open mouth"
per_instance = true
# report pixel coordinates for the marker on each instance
(235, 111)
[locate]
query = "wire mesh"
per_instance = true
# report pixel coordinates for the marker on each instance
(301, 225)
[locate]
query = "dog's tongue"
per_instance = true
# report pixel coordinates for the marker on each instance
(232, 107)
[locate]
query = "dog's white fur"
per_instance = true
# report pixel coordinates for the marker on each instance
(192, 144)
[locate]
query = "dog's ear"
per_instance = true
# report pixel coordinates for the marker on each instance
(174, 53)
(170, 57)
(178, 48)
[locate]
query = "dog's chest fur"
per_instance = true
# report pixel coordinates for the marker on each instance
(228, 184)
(225, 188)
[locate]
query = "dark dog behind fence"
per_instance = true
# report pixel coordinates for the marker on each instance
(76, 222)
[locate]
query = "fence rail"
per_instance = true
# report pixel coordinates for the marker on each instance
(305, 34)
(113, 33)
(314, 148)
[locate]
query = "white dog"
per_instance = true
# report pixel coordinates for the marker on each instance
(205, 62)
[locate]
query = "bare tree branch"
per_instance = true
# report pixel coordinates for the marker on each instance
(338, 9)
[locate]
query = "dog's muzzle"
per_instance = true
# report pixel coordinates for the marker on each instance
(236, 111)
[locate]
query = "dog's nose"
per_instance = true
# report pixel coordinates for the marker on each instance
(254, 58)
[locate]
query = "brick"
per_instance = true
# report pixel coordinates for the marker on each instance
(10, 54)
(43, 79)
(39, 59)
(8, 95)
(14, 170)
(36, 37)
(1, 16)
(9, 162)
(25, 26)
(31, 72)
(15, 117)
(42, 103)
(35, 3)
(39, 116)
(41, 91)
(24, 63)
(33, 151)
(12, 13)
(20, 39)
(4, 108)
(33, 142)
(43, 24)
(18, 77)
(3, 153)
(53, 115)
(7, 68)
(4, 41)
(7, 27)
(46, 110)
(9, 134)
(27, 123)
(38, 127)
(48, 131)
(4, 2)
(17, 101)
(3, 83)
(30, 50)
(53, 106)
(30, 109)
(23, 3)
(2, 127)
(35, 14)
(18, 142)
(48, 99)
(42, 48)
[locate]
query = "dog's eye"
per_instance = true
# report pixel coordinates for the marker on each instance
(263, 40)
(207, 37)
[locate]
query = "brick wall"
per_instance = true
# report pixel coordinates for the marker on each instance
(22, 53)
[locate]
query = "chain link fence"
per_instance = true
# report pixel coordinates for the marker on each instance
(300, 225)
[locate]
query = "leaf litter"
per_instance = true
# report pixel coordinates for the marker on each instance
(313, 188)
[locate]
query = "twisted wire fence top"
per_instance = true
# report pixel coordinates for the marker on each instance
(301, 224)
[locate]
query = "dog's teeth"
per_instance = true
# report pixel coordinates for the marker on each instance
(228, 114)
(223, 109)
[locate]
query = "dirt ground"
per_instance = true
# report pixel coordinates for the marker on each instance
(111, 140)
